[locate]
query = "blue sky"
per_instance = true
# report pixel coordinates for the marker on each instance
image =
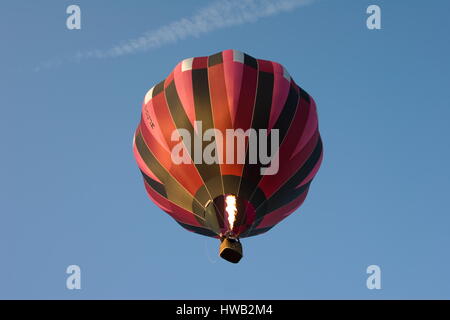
(71, 193)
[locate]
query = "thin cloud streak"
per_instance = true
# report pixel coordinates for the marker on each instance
(218, 15)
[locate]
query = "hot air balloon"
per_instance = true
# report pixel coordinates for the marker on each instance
(228, 146)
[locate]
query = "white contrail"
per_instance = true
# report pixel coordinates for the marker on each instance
(218, 15)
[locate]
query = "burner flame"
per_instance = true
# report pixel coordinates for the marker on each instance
(231, 210)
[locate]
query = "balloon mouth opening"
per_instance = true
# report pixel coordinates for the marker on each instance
(230, 249)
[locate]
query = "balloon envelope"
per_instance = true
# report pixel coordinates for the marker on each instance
(228, 144)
